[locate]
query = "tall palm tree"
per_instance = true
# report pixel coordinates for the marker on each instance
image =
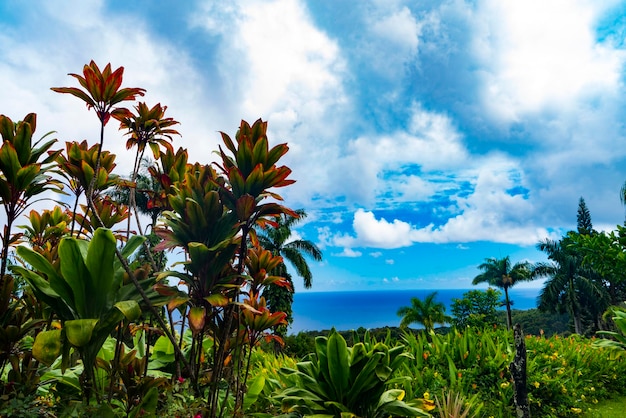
(426, 312)
(568, 284)
(277, 240)
(499, 273)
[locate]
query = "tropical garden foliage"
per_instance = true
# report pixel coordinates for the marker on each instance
(92, 322)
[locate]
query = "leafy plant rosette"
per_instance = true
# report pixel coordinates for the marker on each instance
(341, 381)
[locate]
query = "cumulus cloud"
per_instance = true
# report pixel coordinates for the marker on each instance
(542, 54)
(276, 64)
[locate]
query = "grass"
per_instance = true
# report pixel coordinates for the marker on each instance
(611, 408)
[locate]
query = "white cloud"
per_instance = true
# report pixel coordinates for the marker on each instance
(393, 41)
(274, 63)
(371, 232)
(542, 55)
(376, 254)
(431, 143)
(390, 261)
(348, 252)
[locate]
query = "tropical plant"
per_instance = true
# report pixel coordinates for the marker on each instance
(337, 380)
(148, 127)
(426, 312)
(618, 341)
(500, 273)
(213, 218)
(24, 174)
(567, 280)
(454, 405)
(102, 91)
(86, 292)
(277, 239)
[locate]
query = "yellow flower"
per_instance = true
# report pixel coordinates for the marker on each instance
(577, 410)
(400, 396)
(505, 385)
(536, 384)
(428, 405)
(563, 389)
(426, 395)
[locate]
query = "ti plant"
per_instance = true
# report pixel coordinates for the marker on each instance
(101, 91)
(78, 166)
(23, 173)
(341, 381)
(86, 292)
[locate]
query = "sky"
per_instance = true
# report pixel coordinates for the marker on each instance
(424, 136)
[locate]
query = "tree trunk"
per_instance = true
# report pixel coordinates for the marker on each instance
(509, 320)
(518, 372)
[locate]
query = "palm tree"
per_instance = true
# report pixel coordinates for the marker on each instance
(426, 312)
(499, 273)
(276, 240)
(568, 284)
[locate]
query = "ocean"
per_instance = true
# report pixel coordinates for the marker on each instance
(314, 311)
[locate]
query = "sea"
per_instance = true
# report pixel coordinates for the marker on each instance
(315, 311)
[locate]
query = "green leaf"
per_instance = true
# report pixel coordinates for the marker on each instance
(26, 175)
(132, 244)
(217, 299)
(22, 142)
(79, 331)
(338, 368)
(99, 263)
(42, 265)
(148, 404)
(129, 308)
(47, 346)
(255, 388)
(9, 164)
(76, 275)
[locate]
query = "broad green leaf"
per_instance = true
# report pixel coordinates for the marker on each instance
(338, 357)
(99, 263)
(6, 128)
(56, 282)
(133, 243)
(366, 378)
(47, 346)
(22, 142)
(79, 331)
(75, 273)
(255, 387)
(9, 164)
(217, 299)
(129, 308)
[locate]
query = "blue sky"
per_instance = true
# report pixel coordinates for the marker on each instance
(424, 136)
